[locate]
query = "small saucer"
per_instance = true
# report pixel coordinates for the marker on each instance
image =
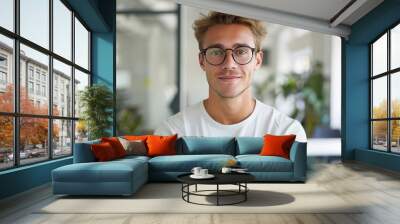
(208, 176)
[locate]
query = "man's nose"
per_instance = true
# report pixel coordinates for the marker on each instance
(229, 62)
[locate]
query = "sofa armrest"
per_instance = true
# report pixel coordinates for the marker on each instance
(298, 155)
(83, 152)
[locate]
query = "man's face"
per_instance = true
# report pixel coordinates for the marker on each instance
(229, 79)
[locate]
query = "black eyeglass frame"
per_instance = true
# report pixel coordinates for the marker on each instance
(203, 52)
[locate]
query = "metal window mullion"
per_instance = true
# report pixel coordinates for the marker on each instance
(73, 82)
(371, 102)
(16, 85)
(178, 58)
(371, 134)
(50, 81)
(389, 139)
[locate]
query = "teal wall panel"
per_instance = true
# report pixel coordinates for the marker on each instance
(355, 85)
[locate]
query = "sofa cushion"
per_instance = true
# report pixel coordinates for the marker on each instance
(161, 145)
(277, 145)
(103, 151)
(116, 145)
(257, 163)
(111, 171)
(249, 145)
(83, 153)
(207, 145)
(134, 147)
(185, 163)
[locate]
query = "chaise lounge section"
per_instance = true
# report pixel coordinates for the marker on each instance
(125, 176)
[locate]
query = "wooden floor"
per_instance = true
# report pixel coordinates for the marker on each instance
(378, 188)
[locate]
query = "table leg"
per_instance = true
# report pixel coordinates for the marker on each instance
(196, 188)
(245, 191)
(217, 194)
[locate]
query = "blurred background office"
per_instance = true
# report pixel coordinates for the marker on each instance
(158, 72)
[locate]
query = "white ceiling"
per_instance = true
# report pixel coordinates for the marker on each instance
(313, 15)
(321, 9)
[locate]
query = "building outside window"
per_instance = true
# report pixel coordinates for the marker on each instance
(3, 72)
(30, 72)
(30, 87)
(56, 135)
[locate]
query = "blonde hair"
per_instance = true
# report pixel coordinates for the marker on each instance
(201, 26)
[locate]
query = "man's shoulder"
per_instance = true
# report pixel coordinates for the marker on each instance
(271, 112)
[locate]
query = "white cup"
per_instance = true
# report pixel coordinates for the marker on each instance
(226, 170)
(196, 170)
(203, 172)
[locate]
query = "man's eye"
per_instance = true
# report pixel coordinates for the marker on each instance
(241, 51)
(217, 52)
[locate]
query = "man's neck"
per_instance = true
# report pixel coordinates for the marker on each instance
(229, 110)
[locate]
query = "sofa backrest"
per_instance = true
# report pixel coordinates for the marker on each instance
(83, 152)
(206, 145)
(249, 145)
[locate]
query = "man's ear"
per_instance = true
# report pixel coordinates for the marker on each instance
(201, 61)
(259, 59)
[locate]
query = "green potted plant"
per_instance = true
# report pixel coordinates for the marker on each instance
(312, 92)
(96, 102)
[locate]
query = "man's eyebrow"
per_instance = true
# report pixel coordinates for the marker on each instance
(222, 46)
(241, 45)
(215, 45)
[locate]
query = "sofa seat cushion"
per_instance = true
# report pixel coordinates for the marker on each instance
(112, 171)
(257, 163)
(192, 145)
(184, 163)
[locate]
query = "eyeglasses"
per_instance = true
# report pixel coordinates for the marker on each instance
(216, 55)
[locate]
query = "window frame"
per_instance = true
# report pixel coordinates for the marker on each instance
(388, 74)
(16, 115)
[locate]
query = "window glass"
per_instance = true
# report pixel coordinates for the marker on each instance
(395, 136)
(81, 45)
(34, 21)
(81, 131)
(33, 139)
(81, 81)
(62, 91)
(379, 135)
(395, 95)
(6, 142)
(379, 56)
(395, 47)
(6, 74)
(7, 14)
(379, 98)
(39, 62)
(62, 141)
(62, 29)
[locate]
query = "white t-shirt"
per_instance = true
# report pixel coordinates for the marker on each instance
(195, 121)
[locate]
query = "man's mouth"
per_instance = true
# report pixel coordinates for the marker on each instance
(230, 77)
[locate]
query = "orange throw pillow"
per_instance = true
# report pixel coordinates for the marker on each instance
(116, 145)
(277, 145)
(136, 137)
(103, 151)
(161, 145)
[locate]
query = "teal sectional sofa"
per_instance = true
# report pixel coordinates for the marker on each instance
(125, 176)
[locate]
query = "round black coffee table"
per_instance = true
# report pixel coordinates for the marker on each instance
(238, 179)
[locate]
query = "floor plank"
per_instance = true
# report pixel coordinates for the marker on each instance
(377, 190)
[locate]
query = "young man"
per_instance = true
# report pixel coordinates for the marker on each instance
(229, 55)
